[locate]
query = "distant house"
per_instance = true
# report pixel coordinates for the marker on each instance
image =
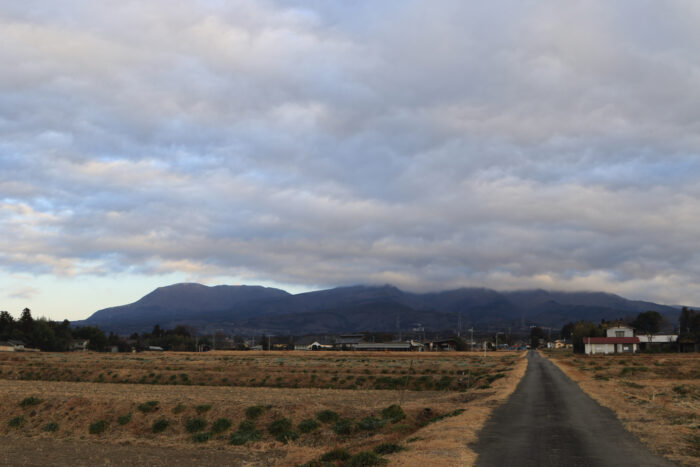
(442, 345)
(5, 346)
(620, 339)
(79, 344)
(154, 348)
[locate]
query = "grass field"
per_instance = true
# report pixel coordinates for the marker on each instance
(271, 408)
(656, 396)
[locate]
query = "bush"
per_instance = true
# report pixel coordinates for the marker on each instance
(308, 425)
(220, 425)
(160, 425)
(343, 427)
(98, 427)
(179, 408)
(388, 448)
(193, 425)
(336, 455)
(287, 436)
(327, 416)
(239, 438)
(50, 427)
(202, 408)
(148, 407)
(370, 424)
(254, 411)
(30, 402)
(246, 425)
(280, 425)
(393, 413)
(201, 437)
(366, 458)
(124, 419)
(16, 422)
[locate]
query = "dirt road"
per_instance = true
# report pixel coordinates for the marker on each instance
(549, 421)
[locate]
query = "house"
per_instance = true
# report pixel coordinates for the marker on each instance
(441, 345)
(619, 339)
(154, 348)
(7, 347)
(79, 344)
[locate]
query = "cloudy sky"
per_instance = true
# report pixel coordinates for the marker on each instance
(310, 144)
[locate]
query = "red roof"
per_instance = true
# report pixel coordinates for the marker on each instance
(611, 340)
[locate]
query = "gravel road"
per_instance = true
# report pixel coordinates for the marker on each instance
(550, 421)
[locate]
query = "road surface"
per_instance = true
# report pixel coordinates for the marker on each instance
(550, 421)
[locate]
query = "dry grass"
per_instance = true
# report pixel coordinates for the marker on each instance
(74, 406)
(656, 397)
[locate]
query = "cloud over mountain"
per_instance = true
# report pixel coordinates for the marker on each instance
(514, 144)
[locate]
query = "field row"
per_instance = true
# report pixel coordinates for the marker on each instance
(276, 369)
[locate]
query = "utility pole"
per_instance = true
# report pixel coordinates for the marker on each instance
(471, 337)
(459, 324)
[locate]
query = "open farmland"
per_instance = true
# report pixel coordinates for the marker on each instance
(272, 408)
(655, 396)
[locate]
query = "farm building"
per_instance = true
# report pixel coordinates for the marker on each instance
(390, 346)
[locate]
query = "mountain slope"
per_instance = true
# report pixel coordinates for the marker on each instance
(252, 309)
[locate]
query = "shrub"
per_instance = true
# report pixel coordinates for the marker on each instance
(124, 419)
(246, 425)
(365, 458)
(179, 408)
(394, 413)
(202, 408)
(287, 436)
(308, 425)
(220, 425)
(343, 427)
(370, 424)
(388, 448)
(336, 455)
(201, 437)
(30, 401)
(98, 427)
(160, 425)
(280, 425)
(327, 416)
(148, 407)
(16, 422)
(241, 437)
(50, 427)
(193, 425)
(254, 411)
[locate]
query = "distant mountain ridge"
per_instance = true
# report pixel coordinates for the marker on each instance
(253, 309)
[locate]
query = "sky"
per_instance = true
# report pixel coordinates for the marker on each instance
(313, 144)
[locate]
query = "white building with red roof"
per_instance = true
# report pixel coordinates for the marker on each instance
(620, 339)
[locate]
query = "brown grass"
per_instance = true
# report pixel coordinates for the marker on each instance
(75, 405)
(656, 397)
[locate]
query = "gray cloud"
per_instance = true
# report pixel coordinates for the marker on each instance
(514, 144)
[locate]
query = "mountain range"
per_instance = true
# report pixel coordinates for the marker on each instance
(255, 309)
